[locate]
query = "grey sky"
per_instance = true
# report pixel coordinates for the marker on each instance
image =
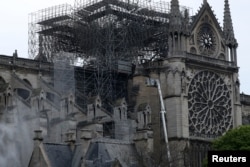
(14, 27)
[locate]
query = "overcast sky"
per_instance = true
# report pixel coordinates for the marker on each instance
(14, 27)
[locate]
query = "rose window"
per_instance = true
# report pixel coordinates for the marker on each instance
(209, 104)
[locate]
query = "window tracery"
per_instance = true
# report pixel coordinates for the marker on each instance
(209, 104)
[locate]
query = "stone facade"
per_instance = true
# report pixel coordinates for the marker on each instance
(200, 90)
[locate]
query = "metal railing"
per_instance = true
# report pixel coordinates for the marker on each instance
(245, 98)
(209, 60)
(192, 57)
(25, 63)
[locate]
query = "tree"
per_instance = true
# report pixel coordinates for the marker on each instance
(234, 139)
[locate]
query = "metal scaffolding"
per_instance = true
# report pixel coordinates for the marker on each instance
(127, 24)
(108, 36)
(48, 31)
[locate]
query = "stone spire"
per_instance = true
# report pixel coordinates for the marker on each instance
(175, 3)
(204, 1)
(175, 15)
(228, 26)
(175, 7)
(178, 29)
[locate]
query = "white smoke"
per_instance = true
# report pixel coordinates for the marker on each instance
(8, 146)
(15, 137)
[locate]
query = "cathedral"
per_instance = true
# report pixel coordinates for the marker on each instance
(118, 83)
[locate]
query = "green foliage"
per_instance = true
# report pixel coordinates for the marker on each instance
(234, 139)
(204, 162)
